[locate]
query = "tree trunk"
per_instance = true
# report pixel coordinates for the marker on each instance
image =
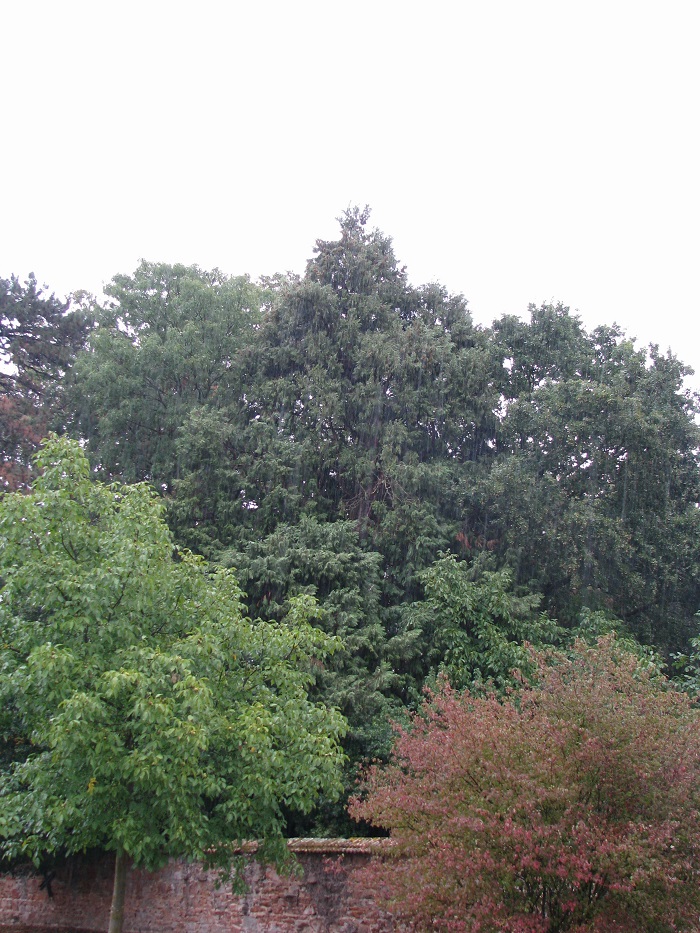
(116, 914)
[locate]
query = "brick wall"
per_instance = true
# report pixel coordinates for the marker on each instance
(182, 898)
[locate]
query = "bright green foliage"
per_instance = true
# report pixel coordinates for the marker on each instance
(143, 711)
(476, 626)
(687, 667)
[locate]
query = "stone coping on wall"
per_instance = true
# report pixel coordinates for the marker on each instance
(356, 845)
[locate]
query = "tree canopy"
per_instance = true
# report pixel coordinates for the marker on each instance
(165, 344)
(444, 490)
(142, 711)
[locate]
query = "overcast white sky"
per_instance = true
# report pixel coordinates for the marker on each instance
(515, 151)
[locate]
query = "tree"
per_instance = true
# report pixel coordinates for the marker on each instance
(39, 337)
(570, 806)
(476, 629)
(166, 345)
(593, 498)
(143, 712)
(363, 399)
(325, 560)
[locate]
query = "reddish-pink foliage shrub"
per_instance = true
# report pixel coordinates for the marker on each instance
(570, 806)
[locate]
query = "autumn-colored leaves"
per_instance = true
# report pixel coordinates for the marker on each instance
(573, 805)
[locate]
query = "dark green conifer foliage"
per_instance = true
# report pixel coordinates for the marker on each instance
(385, 391)
(39, 338)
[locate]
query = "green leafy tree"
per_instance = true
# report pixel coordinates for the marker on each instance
(476, 628)
(166, 344)
(572, 805)
(687, 667)
(142, 712)
(592, 500)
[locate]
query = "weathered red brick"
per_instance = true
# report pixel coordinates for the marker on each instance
(183, 898)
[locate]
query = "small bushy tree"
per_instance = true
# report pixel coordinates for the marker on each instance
(572, 805)
(478, 629)
(140, 711)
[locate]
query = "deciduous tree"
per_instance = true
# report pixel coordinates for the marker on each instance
(593, 500)
(142, 713)
(166, 344)
(572, 805)
(475, 628)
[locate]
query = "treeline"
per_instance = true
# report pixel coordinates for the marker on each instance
(446, 491)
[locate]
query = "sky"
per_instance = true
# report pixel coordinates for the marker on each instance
(516, 152)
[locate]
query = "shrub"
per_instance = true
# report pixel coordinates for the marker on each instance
(572, 805)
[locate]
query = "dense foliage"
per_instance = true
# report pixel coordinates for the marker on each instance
(39, 338)
(163, 347)
(571, 806)
(141, 711)
(445, 491)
